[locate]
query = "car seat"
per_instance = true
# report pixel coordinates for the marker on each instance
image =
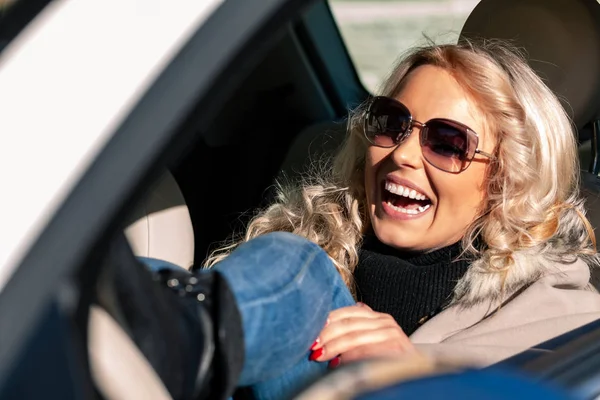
(160, 227)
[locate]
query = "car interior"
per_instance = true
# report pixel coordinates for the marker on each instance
(285, 115)
(289, 110)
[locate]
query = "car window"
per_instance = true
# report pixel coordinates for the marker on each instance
(377, 32)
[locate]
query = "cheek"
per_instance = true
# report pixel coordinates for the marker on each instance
(374, 157)
(370, 172)
(466, 192)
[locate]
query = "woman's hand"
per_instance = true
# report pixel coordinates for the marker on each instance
(358, 332)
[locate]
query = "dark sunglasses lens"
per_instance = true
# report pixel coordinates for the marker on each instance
(446, 146)
(386, 121)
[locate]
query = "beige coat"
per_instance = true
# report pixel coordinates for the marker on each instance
(548, 299)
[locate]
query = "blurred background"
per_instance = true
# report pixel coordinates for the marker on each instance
(378, 32)
(5, 2)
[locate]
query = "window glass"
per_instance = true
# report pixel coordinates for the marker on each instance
(377, 32)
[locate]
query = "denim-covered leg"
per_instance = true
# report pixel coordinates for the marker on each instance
(285, 287)
(304, 372)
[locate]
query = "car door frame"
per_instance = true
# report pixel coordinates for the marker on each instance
(184, 98)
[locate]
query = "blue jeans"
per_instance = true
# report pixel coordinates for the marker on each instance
(285, 287)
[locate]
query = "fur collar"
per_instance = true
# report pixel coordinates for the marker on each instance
(481, 284)
(571, 242)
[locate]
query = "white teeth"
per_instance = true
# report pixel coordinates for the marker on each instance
(400, 190)
(413, 211)
(423, 208)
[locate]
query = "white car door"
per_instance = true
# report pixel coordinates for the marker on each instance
(94, 95)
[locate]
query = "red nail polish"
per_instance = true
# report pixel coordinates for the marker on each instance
(315, 344)
(335, 362)
(316, 354)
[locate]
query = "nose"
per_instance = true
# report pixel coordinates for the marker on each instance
(408, 153)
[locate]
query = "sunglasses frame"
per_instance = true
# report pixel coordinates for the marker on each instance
(402, 136)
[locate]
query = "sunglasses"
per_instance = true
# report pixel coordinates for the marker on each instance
(446, 144)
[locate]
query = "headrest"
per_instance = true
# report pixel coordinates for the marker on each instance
(562, 41)
(160, 225)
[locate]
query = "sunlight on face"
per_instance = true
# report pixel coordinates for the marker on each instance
(397, 179)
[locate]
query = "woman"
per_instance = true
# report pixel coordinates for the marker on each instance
(452, 211)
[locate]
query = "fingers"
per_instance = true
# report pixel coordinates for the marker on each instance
(353, 340)
(381, 349)
(354, 327)
(359, 310)
(347, 319)
(358, 332)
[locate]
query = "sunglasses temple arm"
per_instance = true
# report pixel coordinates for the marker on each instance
(483, 153)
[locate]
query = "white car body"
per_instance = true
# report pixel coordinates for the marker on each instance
(66, 83)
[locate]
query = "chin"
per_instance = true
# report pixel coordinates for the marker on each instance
(398, 237)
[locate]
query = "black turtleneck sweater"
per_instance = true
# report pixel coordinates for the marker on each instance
(411, 287)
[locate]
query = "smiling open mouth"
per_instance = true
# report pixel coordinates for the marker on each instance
(405, 200)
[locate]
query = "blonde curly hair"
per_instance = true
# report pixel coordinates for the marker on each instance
(532, 198)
